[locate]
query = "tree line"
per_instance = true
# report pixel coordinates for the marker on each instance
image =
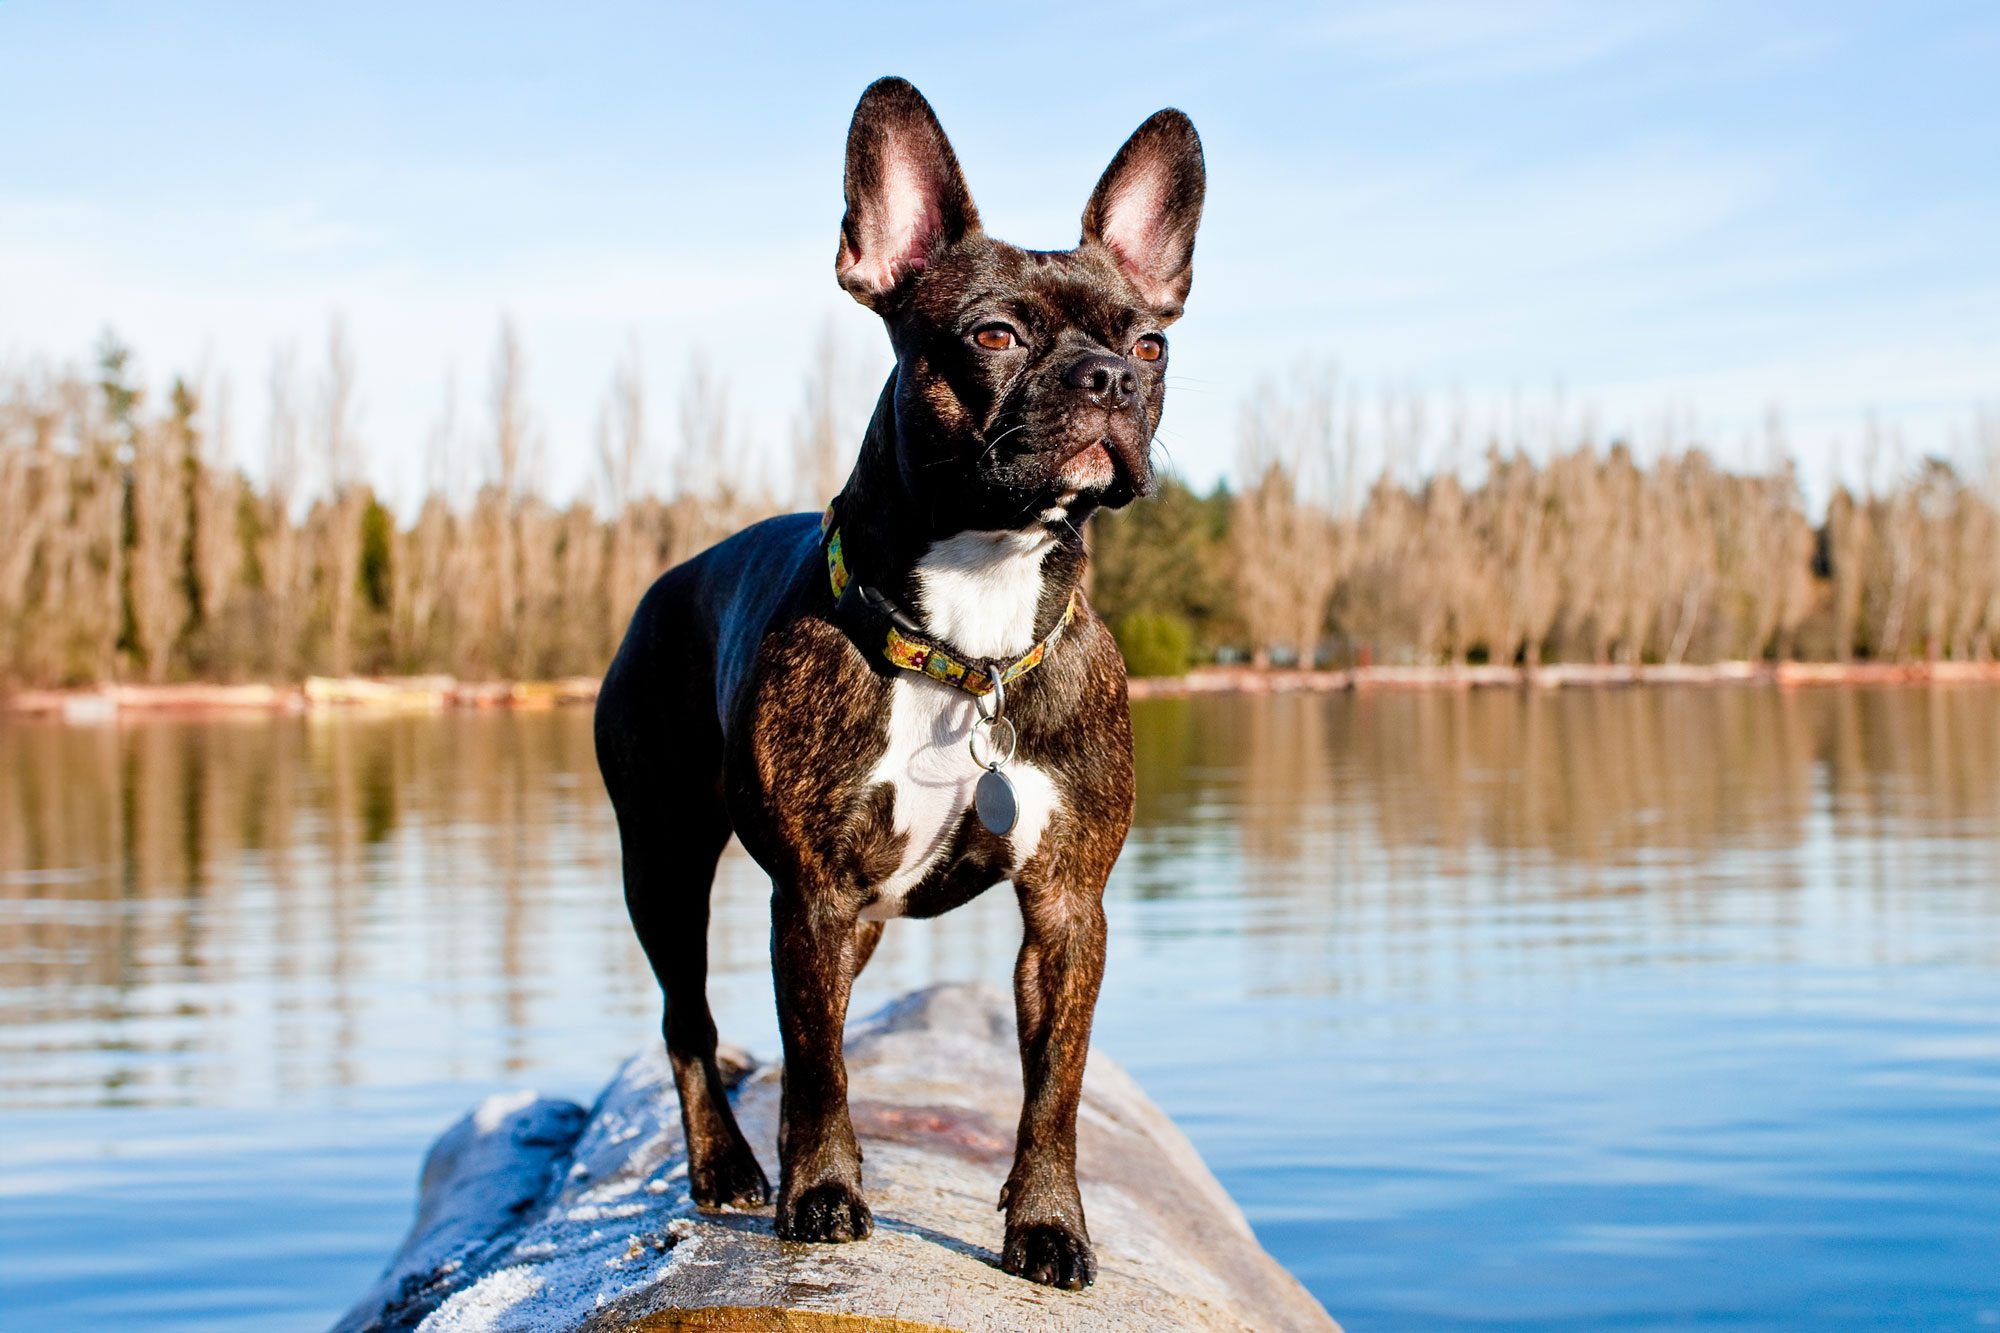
(1538, 544)
(137, 548)
(134, 546)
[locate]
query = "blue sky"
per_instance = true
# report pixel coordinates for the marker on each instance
(1695, 211)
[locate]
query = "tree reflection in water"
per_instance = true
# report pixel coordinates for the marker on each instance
(240, 909)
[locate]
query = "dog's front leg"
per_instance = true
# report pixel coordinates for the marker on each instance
(814, 953)
(1055, 990)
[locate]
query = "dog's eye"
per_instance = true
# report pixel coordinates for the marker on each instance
(1150, 348)
(996, 338)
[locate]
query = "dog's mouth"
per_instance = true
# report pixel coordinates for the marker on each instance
(1113, 466)
(1078, 462)
(1088, 468)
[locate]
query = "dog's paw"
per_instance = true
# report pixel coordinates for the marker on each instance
(731, 1180)
(829, 1214)
(1051, 1254)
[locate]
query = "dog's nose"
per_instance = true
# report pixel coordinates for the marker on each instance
(1109, 380)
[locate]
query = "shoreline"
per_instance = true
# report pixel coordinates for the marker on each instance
(1562, 675)
(437, 694)
(315, 694)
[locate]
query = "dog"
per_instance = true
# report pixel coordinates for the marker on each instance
(901, 702)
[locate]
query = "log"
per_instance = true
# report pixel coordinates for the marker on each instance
(536, 1215)
(406, 693)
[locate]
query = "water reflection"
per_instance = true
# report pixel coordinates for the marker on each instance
(242, 896)
(1429, 846)
(231, 910)
(239, 910)
(1583, 777)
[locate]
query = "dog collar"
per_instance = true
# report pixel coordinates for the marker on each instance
(909, 650)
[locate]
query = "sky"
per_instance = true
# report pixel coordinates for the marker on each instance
(1638, 218)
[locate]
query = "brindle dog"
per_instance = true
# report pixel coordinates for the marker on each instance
(747, 698)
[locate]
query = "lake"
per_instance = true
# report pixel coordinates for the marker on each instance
(1627, 1009)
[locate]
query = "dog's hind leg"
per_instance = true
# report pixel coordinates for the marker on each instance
(672, 825)
(670, 858)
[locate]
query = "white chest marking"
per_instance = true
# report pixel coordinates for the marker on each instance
(980, 591)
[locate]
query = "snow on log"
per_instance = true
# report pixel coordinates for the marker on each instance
(535, 1215)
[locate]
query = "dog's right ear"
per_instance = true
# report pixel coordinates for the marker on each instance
(906, 198)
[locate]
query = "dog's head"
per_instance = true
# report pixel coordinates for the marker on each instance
(1028, 382)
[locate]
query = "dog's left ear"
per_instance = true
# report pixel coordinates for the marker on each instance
(1147, 206)
(906, 197)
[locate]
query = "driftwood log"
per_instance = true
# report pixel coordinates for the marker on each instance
(535, 1214)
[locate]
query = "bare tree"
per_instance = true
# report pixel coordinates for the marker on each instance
(284, 467)
(216, 486)
(1289, 548)
(33, 480)
(1684, 488)
(710, 496)
(1849, 535)
(1532, 575)
(576, 619)
(516, 438)
(622, 455)
(498, 518)
(337, 531)
(157, 586)
(422, 624)
(1897, 525)
(827, 430)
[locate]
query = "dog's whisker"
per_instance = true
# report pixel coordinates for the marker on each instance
(994, 443)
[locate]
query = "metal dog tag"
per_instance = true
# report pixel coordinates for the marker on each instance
(993, 801)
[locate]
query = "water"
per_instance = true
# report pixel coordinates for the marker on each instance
(1639, 1009)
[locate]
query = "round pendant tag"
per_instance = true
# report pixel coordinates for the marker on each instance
(993, 801)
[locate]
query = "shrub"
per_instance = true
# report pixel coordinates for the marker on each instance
(1155, 643)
